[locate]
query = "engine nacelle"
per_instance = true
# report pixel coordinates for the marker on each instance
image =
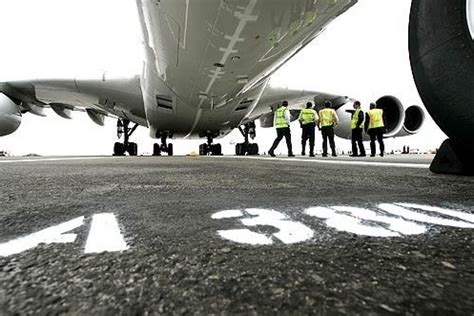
(10, 115)
(414, 119)
(393, 113)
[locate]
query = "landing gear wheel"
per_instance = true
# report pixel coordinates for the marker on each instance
(119, 149)
(156, 150)
(253, 150)
(216, 150)
(170, 150)
(239, 150)
(441, 44)
(248, 149)
(203, 150)
(132, 149)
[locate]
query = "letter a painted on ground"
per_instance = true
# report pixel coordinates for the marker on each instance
(55, 234)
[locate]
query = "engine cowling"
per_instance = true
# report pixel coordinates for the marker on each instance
(10, 115)
(393, 112)
(414, 119)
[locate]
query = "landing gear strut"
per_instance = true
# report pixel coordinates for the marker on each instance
(247, 148)
(123, 129)
(164, 147)
(209, 148)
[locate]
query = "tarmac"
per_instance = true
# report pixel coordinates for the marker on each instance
(228, 235)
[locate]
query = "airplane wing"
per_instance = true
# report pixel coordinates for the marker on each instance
(97, 97)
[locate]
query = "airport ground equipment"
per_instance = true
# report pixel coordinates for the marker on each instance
(441, 43)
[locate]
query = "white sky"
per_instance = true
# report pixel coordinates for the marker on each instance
(363, 54)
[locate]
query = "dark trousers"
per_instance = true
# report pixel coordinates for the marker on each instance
(282, 132)
(376, 133)
(328, 133)
(308, 134)
(357, 141)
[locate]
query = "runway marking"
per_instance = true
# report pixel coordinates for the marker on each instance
(56, 159)
(387, 220)
(290, 232)
(339, 162)
(55, 234)
(103, 236)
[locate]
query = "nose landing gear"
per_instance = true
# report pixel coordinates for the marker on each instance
(247, 148)
(123, 129)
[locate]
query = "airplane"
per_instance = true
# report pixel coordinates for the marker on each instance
(206, 71)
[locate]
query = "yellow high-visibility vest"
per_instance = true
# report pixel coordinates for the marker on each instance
(280, 120)
(327, 117)
(307, 116)
(355, 119)
(376, 118)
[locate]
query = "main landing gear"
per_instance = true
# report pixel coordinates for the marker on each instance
(247, 148)
(209, 148)
(123, 129)
(164, 147)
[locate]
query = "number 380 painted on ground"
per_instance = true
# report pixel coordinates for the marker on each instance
(388, 220)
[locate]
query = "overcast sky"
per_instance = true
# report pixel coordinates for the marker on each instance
(363, 54)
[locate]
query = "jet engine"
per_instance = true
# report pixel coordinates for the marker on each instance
(414, 119)
(393, 112)
(441, 44)
(10, 115)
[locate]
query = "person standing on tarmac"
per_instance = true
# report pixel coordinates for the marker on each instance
(375, 128)
(328, 120)
(308, 119)
(356, 127)
(282, 121)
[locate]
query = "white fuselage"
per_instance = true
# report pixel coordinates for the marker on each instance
(208, 62)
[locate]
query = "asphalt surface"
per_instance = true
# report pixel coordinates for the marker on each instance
(178, 262)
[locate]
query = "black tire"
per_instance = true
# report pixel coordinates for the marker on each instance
(442, 60)
(119, 149)
(170, 149)
(254, 149)
(238, 150)
(216, 150)
(156, 150)
(203, 150)
(132, 149)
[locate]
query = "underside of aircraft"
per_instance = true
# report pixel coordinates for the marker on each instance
(208, 65)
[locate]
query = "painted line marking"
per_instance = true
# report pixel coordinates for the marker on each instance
(386, 220)
(55, 234)
(56, 159)
(339, 162)
(105, 235)
(289, 232)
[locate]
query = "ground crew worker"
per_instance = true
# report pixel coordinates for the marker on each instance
(356, 127)
(282, 121)
(308, 119)
(328, 120)
(376, 129)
